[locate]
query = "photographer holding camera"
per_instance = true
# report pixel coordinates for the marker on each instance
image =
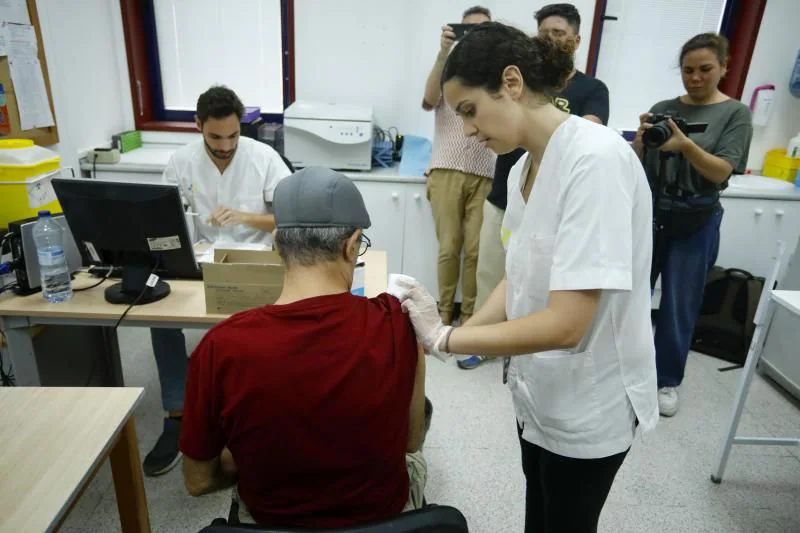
(689, 147)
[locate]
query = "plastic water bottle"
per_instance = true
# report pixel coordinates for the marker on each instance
(49, 239)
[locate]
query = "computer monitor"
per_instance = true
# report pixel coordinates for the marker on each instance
(140, 227)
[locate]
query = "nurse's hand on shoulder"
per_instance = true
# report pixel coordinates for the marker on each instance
(424, 313)
(225, 216)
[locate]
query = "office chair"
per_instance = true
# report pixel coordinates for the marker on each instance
(287, 163)
(433, 519)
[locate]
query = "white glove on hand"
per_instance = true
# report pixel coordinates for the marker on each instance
(424, 313)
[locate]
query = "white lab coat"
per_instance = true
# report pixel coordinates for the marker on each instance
(587, 225)
(247, 184)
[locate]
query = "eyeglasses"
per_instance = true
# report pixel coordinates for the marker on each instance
(365, 245)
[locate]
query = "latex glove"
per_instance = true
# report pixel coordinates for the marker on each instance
(424, 313)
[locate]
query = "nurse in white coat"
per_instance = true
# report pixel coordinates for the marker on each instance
(575, 303)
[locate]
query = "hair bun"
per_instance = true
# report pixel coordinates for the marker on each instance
(552, 63)
(480, 58)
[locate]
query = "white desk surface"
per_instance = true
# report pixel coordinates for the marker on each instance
(51, 442)
(153, 158)
(788, 299)
(185, 303)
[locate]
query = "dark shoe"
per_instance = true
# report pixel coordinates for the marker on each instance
(165, 454)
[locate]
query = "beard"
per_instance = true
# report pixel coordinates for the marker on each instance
(220, 154)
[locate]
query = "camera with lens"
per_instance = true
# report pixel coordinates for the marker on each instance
(660, 133)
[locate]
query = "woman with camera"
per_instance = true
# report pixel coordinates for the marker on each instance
(689, 147)
(574, 305)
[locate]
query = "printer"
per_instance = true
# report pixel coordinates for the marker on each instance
(336, 136)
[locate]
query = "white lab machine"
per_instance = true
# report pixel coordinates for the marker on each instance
(336, 136)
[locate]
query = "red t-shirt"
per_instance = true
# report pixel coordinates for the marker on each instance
(312, 399)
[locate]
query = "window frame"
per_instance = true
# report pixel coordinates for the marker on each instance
(144, 69)
(741, 22)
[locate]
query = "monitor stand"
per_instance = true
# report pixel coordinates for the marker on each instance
(134, 281)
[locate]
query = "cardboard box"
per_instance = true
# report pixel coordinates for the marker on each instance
(238, 280)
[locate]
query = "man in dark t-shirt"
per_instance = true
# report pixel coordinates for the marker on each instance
(583, 96)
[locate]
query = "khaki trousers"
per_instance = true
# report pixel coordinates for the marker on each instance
(457, 202)
(492, 255)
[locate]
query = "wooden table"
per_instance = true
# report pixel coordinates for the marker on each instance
(185, 307)
(53, 440)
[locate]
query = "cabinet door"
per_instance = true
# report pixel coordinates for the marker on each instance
(750, 229)
(385, 204)
(744, 225)
(784, 216)
(420, 249)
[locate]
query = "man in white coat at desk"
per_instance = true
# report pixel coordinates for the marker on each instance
(228, 182)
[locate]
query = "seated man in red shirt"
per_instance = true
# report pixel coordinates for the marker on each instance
(314, 405)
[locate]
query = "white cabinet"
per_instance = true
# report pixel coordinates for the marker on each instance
(385, 203)
(402, 224)
(750, 228)
(420, 247)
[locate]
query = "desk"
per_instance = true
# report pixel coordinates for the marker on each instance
(185, 307)
(52, 441)
(790, 300)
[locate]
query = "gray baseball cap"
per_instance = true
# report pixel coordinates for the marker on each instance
(317, 197)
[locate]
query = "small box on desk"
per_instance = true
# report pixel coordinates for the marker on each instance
(238, 280)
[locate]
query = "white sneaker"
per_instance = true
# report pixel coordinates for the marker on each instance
(668, 401)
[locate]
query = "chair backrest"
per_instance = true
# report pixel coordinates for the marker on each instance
(287, 163)
(771, 282)
(434, 519)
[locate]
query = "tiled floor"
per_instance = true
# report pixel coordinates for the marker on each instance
(473, 457)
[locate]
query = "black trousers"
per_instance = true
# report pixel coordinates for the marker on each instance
(563, 494)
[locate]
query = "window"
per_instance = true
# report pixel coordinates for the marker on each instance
(178, 48)
(639, 50)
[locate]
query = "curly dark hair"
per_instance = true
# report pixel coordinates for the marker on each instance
(567, 12)
(480, 58)
(218, 102)
(712, 41)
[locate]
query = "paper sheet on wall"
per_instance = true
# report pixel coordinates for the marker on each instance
(41, 191)
(22, 41)
(5, 39)
(32, 102)
(15, 11)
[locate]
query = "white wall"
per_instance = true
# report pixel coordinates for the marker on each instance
(380, 52)
(349, 51)
(83, 50)
(772, 62)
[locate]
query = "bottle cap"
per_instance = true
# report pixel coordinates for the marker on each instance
(44, 214)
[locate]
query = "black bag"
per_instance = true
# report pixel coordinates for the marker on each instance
(679, 219)
(725, 326)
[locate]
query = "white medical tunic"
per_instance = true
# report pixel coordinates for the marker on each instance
(247, 184)
(587, 225)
